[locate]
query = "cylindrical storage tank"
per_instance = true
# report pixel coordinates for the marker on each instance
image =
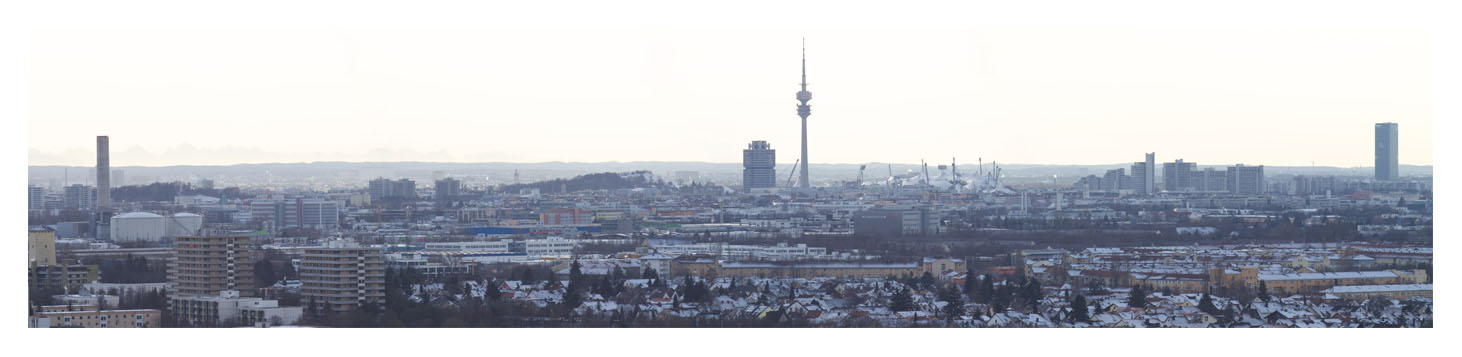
(138, 226)
(184, 224)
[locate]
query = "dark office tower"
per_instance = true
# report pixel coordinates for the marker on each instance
(759, 166)
(1178, 176)
(804, 110)
(1386, 151)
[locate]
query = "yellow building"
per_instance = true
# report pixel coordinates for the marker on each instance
(86, 316)
(1301, 283)
(1392, 291)
(41, 247)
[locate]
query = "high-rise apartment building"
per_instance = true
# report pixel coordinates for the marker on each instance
(342, 275)
(759, 166)
(210, 264)
(78, 197)
(1210, 180)
(1386, 151)
(447, 189)
(1245, 180)
(35, 198)
(1178, 176)
(382, 188)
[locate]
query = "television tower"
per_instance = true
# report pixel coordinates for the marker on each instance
(804, 110)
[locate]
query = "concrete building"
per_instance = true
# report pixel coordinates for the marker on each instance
(1387, 153)
(1112, 179)
(382, 188)
(87, 316)
(566, 216)
(35, 198)
(78, 197)
(342, 276)
(758, 166)
(41, 247)
(896, 221)
(119, 178)
(1178, 176)
(1144, 175)
(1245, 180)
(62, 277)
(209, 265)
(296, 213)
(229, 309)
(447, 190)
(1210, 180)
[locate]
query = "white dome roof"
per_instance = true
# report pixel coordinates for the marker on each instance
(185, 214)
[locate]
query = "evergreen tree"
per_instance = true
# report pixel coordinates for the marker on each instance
(490, 290)
(901, 301)
(527, 277)
(573, 296)
(574, 273)
(969, 286)
(1263, 291)
(1079, 311)
(1031, 293)
(926, 281)
(1137, 297)
(650, 273)
(264, 274)
(553, 280)
(987, 289)
(1205, 304)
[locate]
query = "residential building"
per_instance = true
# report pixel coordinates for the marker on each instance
(382, 188)
(78, 197)
(447, 190)
(229, 309)
(342, 275)
(87, 316)
(41, 247)
(1178, 176)
(1245, 180)
(62, 277)
(209, 265)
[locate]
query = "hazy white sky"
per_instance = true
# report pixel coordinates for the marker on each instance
(180, 95)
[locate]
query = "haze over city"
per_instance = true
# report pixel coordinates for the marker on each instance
(250, 95)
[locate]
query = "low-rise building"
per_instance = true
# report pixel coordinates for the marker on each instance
(87, 316)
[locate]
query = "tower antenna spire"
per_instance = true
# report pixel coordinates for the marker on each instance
(804, 110)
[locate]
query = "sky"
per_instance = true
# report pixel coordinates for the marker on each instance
(170, 95)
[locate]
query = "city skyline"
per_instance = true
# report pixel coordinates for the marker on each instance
(990, 85)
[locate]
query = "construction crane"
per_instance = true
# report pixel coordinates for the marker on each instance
(794, 172)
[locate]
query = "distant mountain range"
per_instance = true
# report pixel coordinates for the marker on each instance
(497, 173)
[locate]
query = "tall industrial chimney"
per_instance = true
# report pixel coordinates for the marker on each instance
(103, 174)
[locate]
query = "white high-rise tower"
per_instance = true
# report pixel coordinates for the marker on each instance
(804, 110)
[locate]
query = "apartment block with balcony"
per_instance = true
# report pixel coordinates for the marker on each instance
(209, 265)
(342, 276)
